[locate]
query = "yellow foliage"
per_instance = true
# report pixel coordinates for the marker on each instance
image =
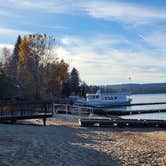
(36, 72)
(23, 49)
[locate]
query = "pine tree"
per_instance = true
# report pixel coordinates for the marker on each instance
(12, 63)
(74, 82)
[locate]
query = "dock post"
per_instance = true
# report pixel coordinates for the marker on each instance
(44, 118)
(44, 121)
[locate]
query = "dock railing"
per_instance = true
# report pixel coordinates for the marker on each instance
(74, 110)
(25, 110)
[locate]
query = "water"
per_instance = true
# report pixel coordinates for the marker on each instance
(147, 98)
(151, 116)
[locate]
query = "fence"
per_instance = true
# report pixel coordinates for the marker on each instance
(73, 110)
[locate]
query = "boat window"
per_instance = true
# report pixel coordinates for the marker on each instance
(115, 97)
(112, 98)
(93, 97)
(107, 98)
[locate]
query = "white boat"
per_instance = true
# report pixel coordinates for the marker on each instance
(106, 99)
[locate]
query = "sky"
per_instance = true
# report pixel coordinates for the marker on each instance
(108, 41)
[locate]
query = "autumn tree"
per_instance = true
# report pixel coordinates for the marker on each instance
(34, 66)
(57, 76)
(34, 54)
(6, 61)
(39, 70)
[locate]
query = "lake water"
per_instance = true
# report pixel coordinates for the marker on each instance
(147, 98)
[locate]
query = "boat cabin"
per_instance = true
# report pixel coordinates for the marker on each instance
(107, 98)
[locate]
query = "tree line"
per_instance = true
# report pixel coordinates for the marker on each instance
(33, 70)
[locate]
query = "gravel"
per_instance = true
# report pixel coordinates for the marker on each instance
(62, 142)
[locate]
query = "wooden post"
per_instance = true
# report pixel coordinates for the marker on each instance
(53, 108)
(44, 121)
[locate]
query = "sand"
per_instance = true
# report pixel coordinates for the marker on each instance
(62, 142)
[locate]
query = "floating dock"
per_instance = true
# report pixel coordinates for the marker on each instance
(133, 112)
(118, 122)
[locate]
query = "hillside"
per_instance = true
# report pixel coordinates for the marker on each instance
(136, 88)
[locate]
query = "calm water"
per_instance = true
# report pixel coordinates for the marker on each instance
(147, 98)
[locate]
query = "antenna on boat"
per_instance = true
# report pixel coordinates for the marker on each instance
(129, 84)
(98, 91)
(129, 78)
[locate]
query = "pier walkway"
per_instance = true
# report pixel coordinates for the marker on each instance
(94, 117)
(11, 112)
(152, 103)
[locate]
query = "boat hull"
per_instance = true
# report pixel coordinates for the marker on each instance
(101, 105)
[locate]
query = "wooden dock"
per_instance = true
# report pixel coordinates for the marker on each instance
(74, 109)
(119, 112)
(118, 122)
(11, 112)
(152, 103)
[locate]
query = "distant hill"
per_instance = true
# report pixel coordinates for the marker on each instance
(136, 88)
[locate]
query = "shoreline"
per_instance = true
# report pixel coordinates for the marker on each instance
(62, 142)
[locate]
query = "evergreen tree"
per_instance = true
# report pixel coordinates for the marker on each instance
(11, 62)
(16, 47)
(7, 88)
(84, 88)
(74, 82)
(15, 58)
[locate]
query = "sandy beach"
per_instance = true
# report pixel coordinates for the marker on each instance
(62, 142)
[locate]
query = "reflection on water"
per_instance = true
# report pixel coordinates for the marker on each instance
(152, 116)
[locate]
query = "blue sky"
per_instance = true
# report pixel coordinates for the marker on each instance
(106, 40)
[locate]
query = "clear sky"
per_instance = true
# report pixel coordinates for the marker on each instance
(106, 40)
